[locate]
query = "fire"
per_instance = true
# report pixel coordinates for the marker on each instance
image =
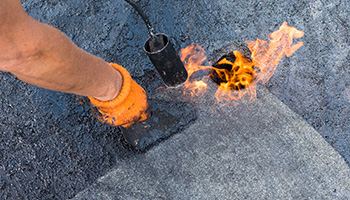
(267, 56)
(193, 57)
(235, 74)
(241, 74)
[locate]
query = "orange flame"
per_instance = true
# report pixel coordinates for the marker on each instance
(267, 56)
(245, 73)
(193, 57)
(238, 81)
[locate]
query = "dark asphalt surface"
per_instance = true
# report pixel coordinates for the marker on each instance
(52, 148)
(259, 150)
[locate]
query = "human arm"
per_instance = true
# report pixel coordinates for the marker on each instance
(43, 56)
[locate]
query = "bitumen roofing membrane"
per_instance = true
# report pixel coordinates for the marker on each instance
(292, 142)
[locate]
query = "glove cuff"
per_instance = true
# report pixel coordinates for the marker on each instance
(129, 107)
(123, 94)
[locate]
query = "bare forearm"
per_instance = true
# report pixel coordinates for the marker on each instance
(43, 56)
(62, 66)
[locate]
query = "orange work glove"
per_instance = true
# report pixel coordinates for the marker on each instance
(129, 107)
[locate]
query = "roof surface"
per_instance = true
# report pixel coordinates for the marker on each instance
(292, 142)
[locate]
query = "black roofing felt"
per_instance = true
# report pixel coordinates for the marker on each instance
(52, 148)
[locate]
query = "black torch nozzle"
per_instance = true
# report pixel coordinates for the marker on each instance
(162, 54)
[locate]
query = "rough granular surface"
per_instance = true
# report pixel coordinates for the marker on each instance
(52, 148)
(259, 150)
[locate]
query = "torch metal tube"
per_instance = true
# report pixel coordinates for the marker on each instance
(167, 62)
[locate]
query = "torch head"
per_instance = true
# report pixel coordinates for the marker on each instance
(166, 60)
